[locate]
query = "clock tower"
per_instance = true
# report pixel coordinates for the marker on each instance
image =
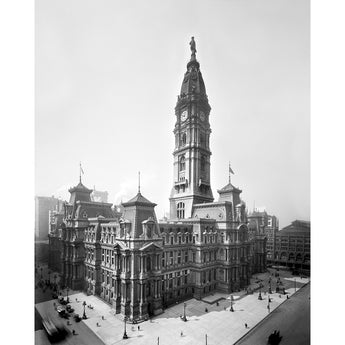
(192, 152)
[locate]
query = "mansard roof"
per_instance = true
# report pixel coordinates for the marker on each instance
(138, 200)
(296, 227)
(228, 188)
(79, 193)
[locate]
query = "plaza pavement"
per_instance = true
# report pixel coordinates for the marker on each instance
(220, 325)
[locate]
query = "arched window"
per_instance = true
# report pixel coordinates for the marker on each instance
(182, 163)
(202, 139)
(180, 210)
(183, 139)
(203, 163)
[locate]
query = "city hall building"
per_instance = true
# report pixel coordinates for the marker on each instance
(140, 265)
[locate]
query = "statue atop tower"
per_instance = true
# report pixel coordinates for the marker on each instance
(192, 48)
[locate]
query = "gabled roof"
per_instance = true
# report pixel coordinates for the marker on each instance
(138, 200)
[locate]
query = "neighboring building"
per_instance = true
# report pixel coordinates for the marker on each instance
(262, 226)
(139, 265)
(292, 247)
(43, 205)
(99, 196)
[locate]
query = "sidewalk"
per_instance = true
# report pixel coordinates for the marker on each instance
(221, 326)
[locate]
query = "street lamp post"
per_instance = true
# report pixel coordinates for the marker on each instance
(269, 289)
(55, 276)
(125, 336)
(67, 299)
(268, 304)
(260, 297)
(206, 339)
(231, 308)
(84, 314)
(184, 312)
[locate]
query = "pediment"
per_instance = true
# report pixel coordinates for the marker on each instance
(120, 245)
(150, 246)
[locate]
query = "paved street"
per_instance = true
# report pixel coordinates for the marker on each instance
(220, 325)
(292, 319)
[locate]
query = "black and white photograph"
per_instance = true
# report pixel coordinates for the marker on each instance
(171, 187)
(172, 172)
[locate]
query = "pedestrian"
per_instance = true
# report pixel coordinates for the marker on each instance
(97, 324)
(73, 331)
(280, 296)
(138, 328)
(181, 334)
(287, 296)
(76, 299)
(245, 325)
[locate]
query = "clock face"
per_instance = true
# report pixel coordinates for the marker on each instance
(184, 115)
(202, 116)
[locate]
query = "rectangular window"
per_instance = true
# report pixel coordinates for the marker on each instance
(171, 258)
(102, 255)
(179, 257)
(186, 256)
(179, 240)
(171, 240)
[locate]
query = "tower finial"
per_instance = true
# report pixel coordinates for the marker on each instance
(230, 172)
(192, 48)
(139, 182)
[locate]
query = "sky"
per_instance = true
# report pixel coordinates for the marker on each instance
(107, 76)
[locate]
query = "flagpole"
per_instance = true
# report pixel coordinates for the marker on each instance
(229, 174)
(80, 172)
